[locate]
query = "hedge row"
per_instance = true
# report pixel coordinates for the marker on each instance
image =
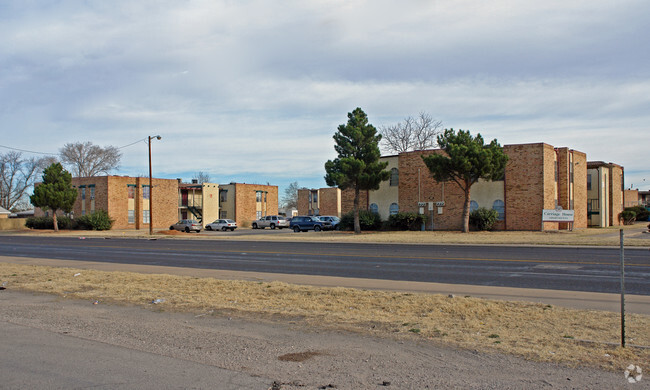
(98, 220)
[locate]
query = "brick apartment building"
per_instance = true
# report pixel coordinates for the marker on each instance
(538, 176)
(247, 202)
(127, 200)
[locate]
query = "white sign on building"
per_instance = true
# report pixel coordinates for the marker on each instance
(558, 215)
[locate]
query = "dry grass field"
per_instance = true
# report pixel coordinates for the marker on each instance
(535, 331)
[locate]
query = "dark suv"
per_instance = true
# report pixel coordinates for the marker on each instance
(304, 223)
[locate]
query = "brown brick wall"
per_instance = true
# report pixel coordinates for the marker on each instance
(616, 194)
(246, 205)
(329, 201)
(530, 185)
(415, 179)
(303, 201)
(631, 198)
(165, 202)
(111, 194)
(347, 200)
(563, 158)
(580, 189)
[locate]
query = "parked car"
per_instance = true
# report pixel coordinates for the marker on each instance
(332, 219)
(304, 223)
(271, 221)
(222, 224)
(187, 225)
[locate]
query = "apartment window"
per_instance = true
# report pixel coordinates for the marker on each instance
(315, 197)
(146, 216)
(374, 208)
(259, 215)
(500, 208)
(131, 216)
(92, 192)
(473, 205)
(131, 191)
(589, 182)
(83, 193)
(146, 192)
(223, 197)
(258, 196)
(394, 177)
(393, 209)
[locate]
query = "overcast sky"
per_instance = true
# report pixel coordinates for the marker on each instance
(252, 91)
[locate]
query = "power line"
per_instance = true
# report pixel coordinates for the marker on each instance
(27, 151)
(56, 154)
(133, 143)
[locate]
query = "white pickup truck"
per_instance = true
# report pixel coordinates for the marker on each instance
(271, 221)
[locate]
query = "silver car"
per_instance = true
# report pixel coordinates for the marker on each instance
(187, 225)
(222, 224)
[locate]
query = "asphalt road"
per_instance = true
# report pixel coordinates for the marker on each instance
(555, 268)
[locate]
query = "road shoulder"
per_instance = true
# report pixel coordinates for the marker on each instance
(289, 353)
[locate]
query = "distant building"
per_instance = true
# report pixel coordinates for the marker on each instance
(23, 214)
(4, 213)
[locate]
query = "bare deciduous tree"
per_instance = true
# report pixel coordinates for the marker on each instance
(412, 134)
(290, 197)
(202, 177)
(86, 159)
(17, 175)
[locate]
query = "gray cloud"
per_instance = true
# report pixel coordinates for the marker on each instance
(234, 82)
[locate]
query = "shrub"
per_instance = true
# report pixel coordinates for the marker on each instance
(406, 221)
(66, 223)
(641, 212)
(483, 218)
(628, 216)
(98, 220)
(367, 219)
(48, 223)
(40, 223)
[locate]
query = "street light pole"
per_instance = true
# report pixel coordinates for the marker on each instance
(151, 187)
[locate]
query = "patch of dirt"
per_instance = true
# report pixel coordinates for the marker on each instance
(298, 356)
(170, 232)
